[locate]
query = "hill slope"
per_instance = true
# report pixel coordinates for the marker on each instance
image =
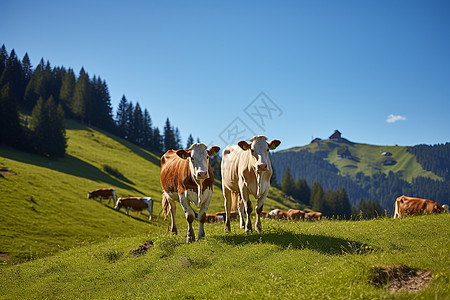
(45, 205)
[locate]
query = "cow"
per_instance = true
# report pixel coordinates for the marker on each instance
(296, 214)
(136, 204)
(313, 215)
(222, 215)
(212, 218)
(278, 214)
(415, 206)
(246, 170)
(105, 193)
(186, 176)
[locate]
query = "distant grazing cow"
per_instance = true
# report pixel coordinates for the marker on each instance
(246, 170)
(415, 206)
(186, 176)
(313, 215)
(278, 214)
(296, 214)
(222, 215)
(212, 218)
(105, 193)
(136, 204)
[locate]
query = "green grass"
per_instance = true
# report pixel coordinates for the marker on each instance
(319, 260)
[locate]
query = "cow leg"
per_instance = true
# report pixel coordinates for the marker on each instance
(173, 210)
(248, 209)
(190, 216)
(241, 211)
(202, 212)
(258, 210)
(128, 211)
(227, 204)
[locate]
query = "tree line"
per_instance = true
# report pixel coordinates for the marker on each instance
(332, 203)
(51, 94)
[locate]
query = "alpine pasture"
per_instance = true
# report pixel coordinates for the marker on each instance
(56, 243)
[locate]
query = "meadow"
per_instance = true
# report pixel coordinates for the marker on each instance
(56, 243)
(295, 260)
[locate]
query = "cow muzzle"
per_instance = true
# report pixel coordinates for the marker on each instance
(202, 175)
(261, 167)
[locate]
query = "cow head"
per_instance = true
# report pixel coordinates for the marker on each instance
(119, 204)
(198, 155)
(259, 149)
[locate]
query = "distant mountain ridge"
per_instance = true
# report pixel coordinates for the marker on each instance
(370, 172)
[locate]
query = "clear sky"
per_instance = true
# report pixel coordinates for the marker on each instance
(378, 71)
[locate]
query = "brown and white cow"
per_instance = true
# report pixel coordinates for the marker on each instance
(415, 206)
(136, 204)
(296, 214)
(246, 170)
(186, 176)
(104, 193)
(313, 215)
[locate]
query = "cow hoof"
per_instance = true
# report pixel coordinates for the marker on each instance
(190, 239)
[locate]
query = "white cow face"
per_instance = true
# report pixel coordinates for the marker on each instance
(260, 151)
(198, 156)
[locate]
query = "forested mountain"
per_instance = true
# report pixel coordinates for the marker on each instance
(373, 173)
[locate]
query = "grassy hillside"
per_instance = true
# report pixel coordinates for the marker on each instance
(294, 260)
(45, 206)
(368, 159)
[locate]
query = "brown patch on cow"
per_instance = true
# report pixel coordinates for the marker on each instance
(6, 171)
(142, 249)
(401, 278)
(5, 256)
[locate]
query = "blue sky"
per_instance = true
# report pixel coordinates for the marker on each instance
(378, 71)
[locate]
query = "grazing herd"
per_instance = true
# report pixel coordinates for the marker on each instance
(187, 178)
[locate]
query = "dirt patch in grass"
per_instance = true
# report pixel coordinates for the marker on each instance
(142, 249)
(401, 278)
(5, 256)
(6, 171)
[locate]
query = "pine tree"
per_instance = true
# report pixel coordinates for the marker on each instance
(121, 116)
(317, 197)
(9, 117)
(13, 75)
(35, 87)
(138, 124)
(81, 95)
(169, 137)
(66, 92)
(47, 124)
(158, 142)
(147, 130)
(3, 59)
(190, 141)
(302, 191)
(288, 184)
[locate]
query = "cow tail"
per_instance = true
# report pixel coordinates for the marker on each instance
(165, 205)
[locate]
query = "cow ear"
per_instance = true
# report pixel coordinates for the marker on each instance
(274, 144)
(183, 153)
(213, 151)
(244, 145)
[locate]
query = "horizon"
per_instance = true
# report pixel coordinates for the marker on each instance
(378, 72)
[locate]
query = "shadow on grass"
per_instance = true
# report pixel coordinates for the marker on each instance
(69, 165)
(289, 240)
